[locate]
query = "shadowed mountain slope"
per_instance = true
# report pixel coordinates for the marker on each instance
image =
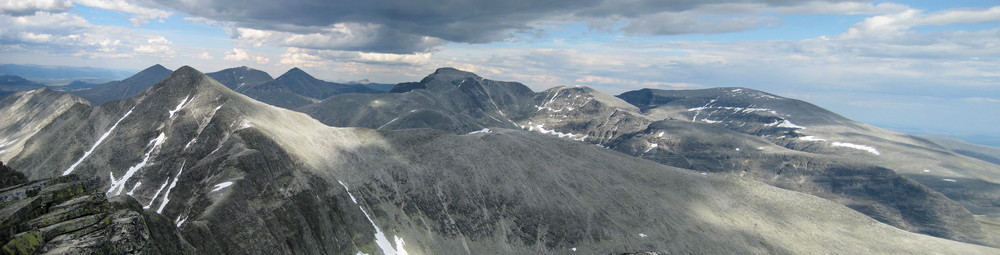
(766, 139)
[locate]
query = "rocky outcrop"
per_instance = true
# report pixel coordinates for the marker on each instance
(9, 177)
(68, 215)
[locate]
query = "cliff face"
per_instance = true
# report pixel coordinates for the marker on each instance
(68, 215)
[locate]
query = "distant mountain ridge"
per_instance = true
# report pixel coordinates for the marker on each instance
(783, 142)
(64, 74)
(296, 88)
(240, 78)
(234, 175)
(127, 88)
(767, 134)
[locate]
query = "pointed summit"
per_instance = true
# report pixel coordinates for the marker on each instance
(185, 80)
(296, 74)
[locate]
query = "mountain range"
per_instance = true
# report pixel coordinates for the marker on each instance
(456, 163)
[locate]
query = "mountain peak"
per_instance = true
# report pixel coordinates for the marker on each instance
(156, 67)
(453, 73)
(295, 72)
(186, 70)
(185, 78)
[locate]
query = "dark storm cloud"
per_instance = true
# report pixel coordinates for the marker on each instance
(394, 25)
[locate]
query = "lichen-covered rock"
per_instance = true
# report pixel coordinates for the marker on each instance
(68, 215)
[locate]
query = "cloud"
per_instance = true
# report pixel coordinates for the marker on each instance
(323, 58)
(238, 54)
(30, 7)
(155, 46)
(71, 35)
(673, 23)
(140, 15)
(203, 56)
(341, 36)
(602, 80)
(401, 27)
(982, 99)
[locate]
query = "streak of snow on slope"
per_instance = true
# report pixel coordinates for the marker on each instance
(387, 123)
(221, 186)
(811, 139)
(132, 191)
(734, 109)
(99, 141)
(202, 126)
(949, 180)
(8, 143)
(484, 131)
(157, 194)
(180, 221)
(695, 118)
(380, 239)
(179, 106)
(166, 196)
(867, 148)
(651, 147)
(119, 184)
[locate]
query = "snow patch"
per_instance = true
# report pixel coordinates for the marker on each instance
(157, 194)
(927, 171)
(484, 131)
(660, 134)
(380, 238)
(193, 140)
(642, 235)
(541, 129)
(132, 191)
(179, 106)
(867, 148)
(784, 124)
(711, 121)
(166, 196)
(651, 147)
(180, 221)
(811, 139)
(244, 124)
(99, 141)
(119, 184)
(949, 180)
(221, 186)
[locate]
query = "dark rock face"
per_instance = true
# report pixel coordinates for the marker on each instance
(9, 177)
(68, 215)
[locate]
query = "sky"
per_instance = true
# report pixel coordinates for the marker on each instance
(928, 67)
